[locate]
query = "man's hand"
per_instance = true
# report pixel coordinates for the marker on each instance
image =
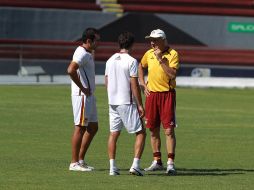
(72, 71)
(145, 90)
(86, 91)
(158, 54)
(141, 111)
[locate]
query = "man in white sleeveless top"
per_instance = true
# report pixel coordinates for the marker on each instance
(82, 73)
(125, 103)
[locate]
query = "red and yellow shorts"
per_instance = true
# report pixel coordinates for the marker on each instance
(160, 108)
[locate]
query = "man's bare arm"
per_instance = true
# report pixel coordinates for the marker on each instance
(137, 94)
(171, 72)
(142, 80)
(106, 81)
(72, 71)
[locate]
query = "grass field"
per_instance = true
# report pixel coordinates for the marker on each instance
(215, 142)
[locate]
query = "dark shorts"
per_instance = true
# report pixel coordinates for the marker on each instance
(160, 108)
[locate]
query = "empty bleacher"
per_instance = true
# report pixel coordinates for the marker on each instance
(58, 53)
(220, 3)
(31, 49)
(202, 7)
(59, 4)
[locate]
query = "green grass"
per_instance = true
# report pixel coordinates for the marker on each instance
(214, 142)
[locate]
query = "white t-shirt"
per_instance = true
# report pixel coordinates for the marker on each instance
(86, 71)
(119, 68)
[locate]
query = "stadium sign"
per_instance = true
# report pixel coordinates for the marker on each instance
(241, 27)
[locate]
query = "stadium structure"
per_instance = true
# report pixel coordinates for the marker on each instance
(214, 38)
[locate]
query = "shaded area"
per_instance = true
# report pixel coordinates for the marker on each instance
(141, 25)
(204, 172)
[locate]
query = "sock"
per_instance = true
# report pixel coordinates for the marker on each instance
(112, 163)
(171, 157)
(81, 162)
(157, 157)
(136, 162)
(73, 164)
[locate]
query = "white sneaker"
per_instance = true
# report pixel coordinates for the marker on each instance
(78, 167)
(86, 166)
(154, 167)
(114, 171)
(171, 168)
(136, 171)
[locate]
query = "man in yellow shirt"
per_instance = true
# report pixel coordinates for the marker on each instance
(162, 63)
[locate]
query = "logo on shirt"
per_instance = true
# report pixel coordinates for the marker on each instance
(118, 58)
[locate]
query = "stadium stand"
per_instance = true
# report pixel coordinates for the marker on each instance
(31, 49)
(58, 53)
(203, 7)
(222, 3)
(60, 4)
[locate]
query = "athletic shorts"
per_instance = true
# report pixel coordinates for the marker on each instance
(160, 108)
(124, 116)
(84, 110)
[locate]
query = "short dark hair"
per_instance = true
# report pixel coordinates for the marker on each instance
(89, 33)
(126, 40)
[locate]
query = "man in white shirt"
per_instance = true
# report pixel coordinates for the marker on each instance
(125, 103)
(82, 73)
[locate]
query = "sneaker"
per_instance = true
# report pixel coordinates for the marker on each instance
(136, 171)
(171, 168)
(78, 167)
(86, 166)
(114, 171)
(154, 167)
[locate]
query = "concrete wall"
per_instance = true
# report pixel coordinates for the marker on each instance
(213, 30)
(49, 24)
(59, 24)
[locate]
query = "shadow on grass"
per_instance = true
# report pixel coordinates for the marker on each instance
(108, 169)
(204, 172)
(192, 172)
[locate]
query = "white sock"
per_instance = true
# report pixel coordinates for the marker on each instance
(112, 163)
(136, 162)
(170, 162)
(75, 163)
(81, 161)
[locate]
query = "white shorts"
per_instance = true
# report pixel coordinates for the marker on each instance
(124, 116)
(84, 110)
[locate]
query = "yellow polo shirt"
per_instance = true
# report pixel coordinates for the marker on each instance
(158, 80)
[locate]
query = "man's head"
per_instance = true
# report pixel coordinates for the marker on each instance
(157, 39)
(90, 38)
(126, 40)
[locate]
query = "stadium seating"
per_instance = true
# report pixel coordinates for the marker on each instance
(189, 54)
(223, 3)
(31, 49)
(61, 4)
(203, 7)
